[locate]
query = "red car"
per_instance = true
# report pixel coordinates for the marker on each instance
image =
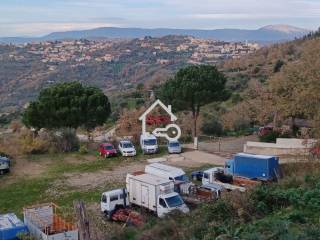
(107, 150)
(315, 151)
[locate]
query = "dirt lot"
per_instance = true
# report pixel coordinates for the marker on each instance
(187, 160)
(38, 166)
(95, 179)
(228, 146)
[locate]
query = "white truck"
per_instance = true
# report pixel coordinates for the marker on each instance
(144, 190)
(166, 172)
(209, 177)
(148, 143)
(154, 193)
(177, 175)
(113, 200)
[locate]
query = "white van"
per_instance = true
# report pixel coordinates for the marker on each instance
(177, 175)
(167, 172)
(148, 143)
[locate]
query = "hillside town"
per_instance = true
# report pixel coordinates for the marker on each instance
(81, 51)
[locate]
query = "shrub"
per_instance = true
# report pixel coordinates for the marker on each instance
(32, 144)
(278, 66)
(83, 149)
(66, 140)
(212, 127)
(270, 137)
(241, 124)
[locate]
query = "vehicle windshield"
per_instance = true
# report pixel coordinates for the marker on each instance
(127, 145)
(150, 142)
(183, 178)
(174, 201)
(108, 147)
(174, 144)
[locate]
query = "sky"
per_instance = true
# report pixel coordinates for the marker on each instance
(40, 17)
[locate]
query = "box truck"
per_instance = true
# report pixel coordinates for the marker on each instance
(251, 166)
(154, 193)
(148, 191)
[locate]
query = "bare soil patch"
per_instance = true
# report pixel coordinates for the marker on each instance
(96, 179)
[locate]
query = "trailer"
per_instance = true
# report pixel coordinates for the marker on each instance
(11, 227)
(45, 222)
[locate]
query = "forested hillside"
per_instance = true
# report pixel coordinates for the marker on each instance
(276, 83)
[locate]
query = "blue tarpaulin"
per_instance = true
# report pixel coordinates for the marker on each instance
(11, 226)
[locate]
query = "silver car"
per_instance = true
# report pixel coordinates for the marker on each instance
(174, 147)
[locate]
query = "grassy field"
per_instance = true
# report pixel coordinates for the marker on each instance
(26, 191)
(288, 209)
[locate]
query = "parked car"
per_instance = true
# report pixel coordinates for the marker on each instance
(107, 150)
(4, 165)
(197, 175)
(127, 149)
(315, 151)
(264, 130)
(148, 143)
(174, 147)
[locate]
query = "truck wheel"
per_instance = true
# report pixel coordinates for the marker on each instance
(105, 156)
(194, 178)
(1, 172)
(109, 216)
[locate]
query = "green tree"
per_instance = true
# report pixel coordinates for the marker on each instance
(68, 105)
(278, 66)
(194, 86)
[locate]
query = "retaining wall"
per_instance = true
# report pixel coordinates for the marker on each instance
(283, 146)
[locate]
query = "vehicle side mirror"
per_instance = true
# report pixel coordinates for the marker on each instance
(162, 203)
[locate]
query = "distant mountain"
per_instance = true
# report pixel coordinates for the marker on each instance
(267, 34)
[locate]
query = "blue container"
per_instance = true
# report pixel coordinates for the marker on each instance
(253, 166)
(11, 226)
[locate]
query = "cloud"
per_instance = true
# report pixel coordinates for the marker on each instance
(40, 17)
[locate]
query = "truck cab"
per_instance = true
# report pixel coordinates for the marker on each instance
(170, 202)
(209, 175)
(113, 200)
(148, 143)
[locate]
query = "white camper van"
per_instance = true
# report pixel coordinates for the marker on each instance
(148, 143)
